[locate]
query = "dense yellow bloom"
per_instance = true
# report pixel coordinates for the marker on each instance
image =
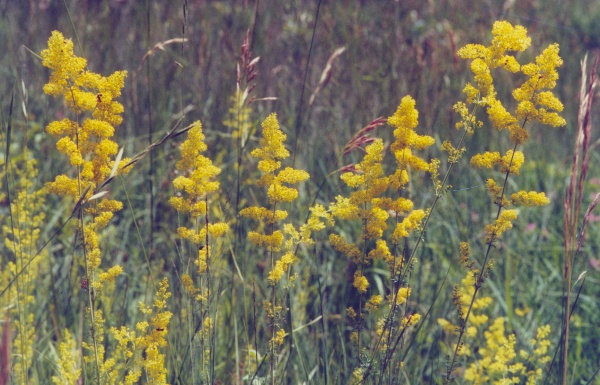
(281, 266)
(485, 160)
(499, 116)
(111, 274)
(410, 320)
(529, 198)
(405, 121)
(340, 244)
(151, 339)
(196, 184)
(360, 282)
(271, 144)
(202, 173)
(403, 294)
(499, 363)
(408, 225)
(262, 213)
(272, 242)
(381, 251)
(512, 162)
(542, 75)
(276, 182)
(83, 91)
(344, 209)
(67, 364)
(503, 223)
(373, 303)
(21, 234)
(318, 220)
(374, 200)
(277, 340)
(85, 139)
(535, 104)
(400, 205)
(506, 38)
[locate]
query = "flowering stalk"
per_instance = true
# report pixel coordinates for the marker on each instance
(534, 104)
(276, 182)
(370, 204)
(193, 200)
(149, 337)
(23, 224)
(499, 361)
(85, 139)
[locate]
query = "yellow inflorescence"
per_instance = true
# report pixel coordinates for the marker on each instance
(85, 138)
(277, 183)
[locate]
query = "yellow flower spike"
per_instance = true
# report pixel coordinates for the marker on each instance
(529, 198)
(373, 304)
(271, 144)
(503, 223)
(408, 225)
(381, 251)
(499, 116)
(111, 274)
(85, 139)
(278, 339)
(410, 320)
(360, 282)
(485, 160)
(512, 162)
(280, 193)
(59, 57)
(340, 244)
(483, 78)
(402, 295)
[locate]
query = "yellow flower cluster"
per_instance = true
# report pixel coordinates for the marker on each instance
(535, 103)
(196, 186)
(511, 162)
(506, 39)
(68, 371)
(21, 237)
(85, 139)
(87, 144)
(271, 152)
(374, 200)
(464, 294)
(150, 339)
(498, 360)
(368, 202)
(404, 121)
(499, 363)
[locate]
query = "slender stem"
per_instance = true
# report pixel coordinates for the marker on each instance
(480, 276)
(272, 342)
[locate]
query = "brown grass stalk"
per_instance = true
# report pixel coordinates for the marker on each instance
(572, 200)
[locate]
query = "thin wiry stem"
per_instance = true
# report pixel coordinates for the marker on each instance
(480, 277)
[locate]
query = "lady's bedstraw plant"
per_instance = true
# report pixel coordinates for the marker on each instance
(148, 337)
(496, 358)
(277, 183)
(196, 188)
(85, 139)
(535, 104)
(22, 230)
(371, 204)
